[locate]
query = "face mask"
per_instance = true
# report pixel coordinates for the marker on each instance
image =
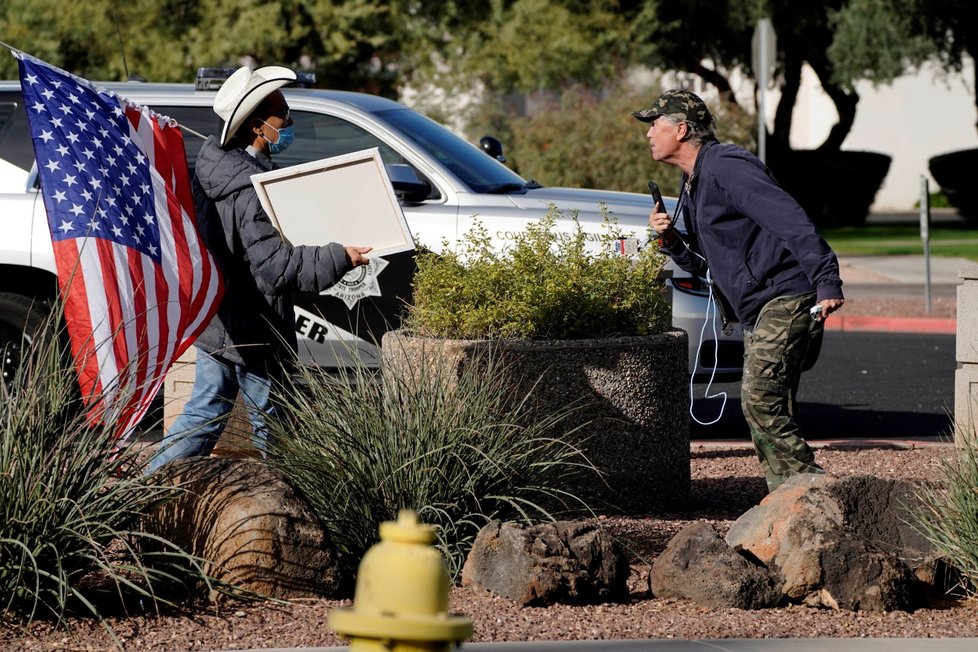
(286, 135)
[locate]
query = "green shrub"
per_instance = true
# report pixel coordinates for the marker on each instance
(544, 287)
(948, 515)
(455, 449)
(70, 505)
(584, 140)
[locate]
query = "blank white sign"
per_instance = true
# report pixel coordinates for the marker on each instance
(346, 199)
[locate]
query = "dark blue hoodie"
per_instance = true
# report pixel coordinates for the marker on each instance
(757, 241)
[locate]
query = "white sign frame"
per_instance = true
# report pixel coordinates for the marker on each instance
(346, 199)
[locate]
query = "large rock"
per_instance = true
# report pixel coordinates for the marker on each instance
(698, 565)
(251, 526)
(845, 543)
(561, 562)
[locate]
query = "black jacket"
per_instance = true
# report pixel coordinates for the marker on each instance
(255, 323)
(757, 242)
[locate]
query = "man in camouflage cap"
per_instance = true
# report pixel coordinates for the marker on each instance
(769, 269)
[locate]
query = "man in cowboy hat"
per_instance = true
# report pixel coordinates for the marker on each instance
(765, 260)
(244, 347)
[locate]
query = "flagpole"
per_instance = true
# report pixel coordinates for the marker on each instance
(191, 131)
(10, 47)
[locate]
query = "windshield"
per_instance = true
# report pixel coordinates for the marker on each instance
(476, 169)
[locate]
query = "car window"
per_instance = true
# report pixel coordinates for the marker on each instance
(15, 137)
(319, 136)
(201, 119)
(470, 164)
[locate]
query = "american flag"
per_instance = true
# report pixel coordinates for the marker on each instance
(137, 282)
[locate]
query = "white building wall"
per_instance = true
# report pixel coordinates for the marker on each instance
(912, 119)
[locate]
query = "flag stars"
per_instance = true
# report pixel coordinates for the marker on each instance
(56, 122)
(117, 231)
(31, 79)
(52, 165)
(73, 137)
(70, 179)
(46, 136)
(65, 109)
(144, 188)
(59, 195)
(148, 217)
(79, 166)
(86, 195)
(62, 149)
(89, 154)
(94, 225)
(47, 93)
(39, 107)
(66, 226)
(76, 209)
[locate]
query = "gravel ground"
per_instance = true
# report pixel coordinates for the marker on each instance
(726, 482)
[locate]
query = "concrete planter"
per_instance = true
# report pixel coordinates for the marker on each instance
(634, 392)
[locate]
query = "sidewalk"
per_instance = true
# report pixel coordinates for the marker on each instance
(718, 645)
(889, 294)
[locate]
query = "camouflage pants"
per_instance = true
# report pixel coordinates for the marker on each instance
(773, 357)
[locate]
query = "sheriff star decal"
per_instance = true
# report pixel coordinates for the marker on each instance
(359, 283)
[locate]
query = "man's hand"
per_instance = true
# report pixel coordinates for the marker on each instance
(829, 306)
(660, 221)
(356, 255)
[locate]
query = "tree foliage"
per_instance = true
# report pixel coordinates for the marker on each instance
(502, 46)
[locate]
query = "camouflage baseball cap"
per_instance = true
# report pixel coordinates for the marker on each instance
(680, 105)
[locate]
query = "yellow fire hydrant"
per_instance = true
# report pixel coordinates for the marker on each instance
(401, 598)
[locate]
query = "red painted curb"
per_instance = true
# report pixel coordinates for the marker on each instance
(929, 325)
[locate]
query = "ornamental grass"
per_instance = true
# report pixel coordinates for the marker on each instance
(70, 504)
(948, 513)
(454, 448)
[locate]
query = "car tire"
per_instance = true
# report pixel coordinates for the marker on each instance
(22, 319)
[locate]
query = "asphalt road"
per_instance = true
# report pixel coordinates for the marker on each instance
(876, 385)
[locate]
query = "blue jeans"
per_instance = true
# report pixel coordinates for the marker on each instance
(216, 384)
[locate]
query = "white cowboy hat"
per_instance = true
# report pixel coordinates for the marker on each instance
(243, 92)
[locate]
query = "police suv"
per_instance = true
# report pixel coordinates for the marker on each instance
(443, 183)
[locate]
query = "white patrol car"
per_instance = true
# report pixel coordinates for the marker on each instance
(443, 182)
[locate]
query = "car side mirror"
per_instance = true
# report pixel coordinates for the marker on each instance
(408, 186)
(491, 146)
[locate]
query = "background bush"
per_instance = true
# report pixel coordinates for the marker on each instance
(585, 139)
(543, 287)
(455, 449)
(70, 505)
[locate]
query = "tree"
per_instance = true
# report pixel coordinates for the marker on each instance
(949, 25)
